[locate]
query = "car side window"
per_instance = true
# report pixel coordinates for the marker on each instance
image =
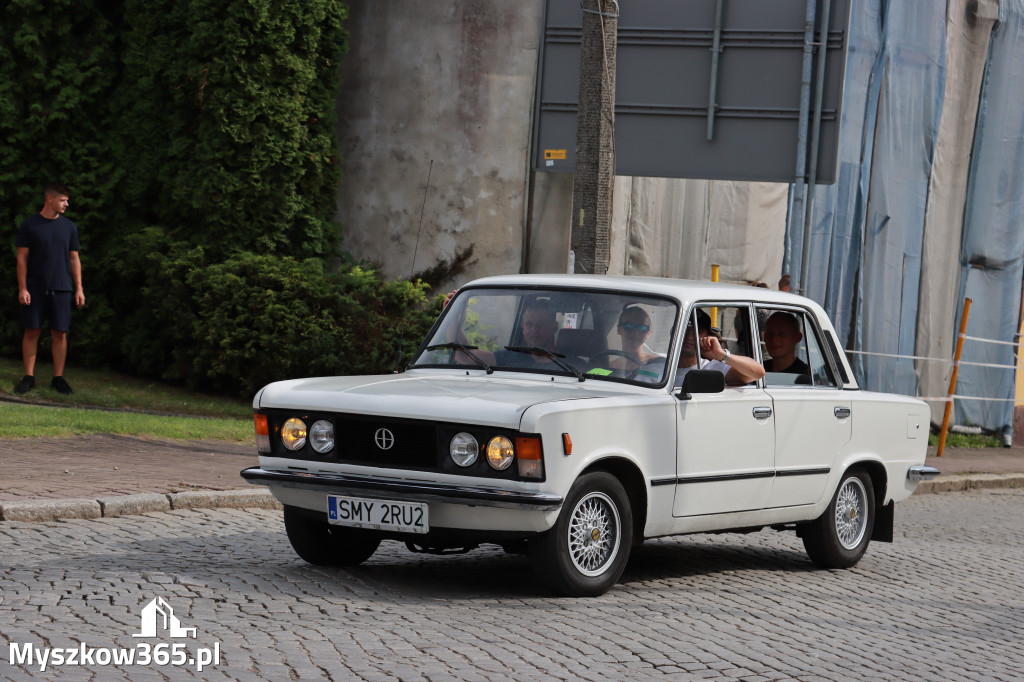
(729, 323)
(821, 373)
(732, 327)
(793, 354)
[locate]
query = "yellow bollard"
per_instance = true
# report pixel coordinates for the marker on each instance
(952, 378)
(714, 311)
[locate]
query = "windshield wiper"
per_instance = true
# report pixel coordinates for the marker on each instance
(465, 349)
(554, 356)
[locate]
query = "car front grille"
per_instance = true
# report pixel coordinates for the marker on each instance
(389, 443)
(385, 442)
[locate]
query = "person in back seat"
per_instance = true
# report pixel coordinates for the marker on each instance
(781, 337)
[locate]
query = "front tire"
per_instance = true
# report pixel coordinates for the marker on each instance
(839, 537)
(585, 552)
(321, 544)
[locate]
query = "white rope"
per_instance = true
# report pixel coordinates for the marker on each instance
(987, 364)
(967, 397)
(946, 399)
(921, 357)
(890, 355)
(1001, 343)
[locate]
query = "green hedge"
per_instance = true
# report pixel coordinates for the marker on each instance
(197, 137)
(230, 115)
(252, 319)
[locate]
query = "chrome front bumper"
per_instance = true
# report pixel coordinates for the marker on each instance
(412, 491)
(922, 473)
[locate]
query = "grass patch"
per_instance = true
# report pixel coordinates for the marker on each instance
(37, 421)
(127, 406)
(966, 440)
(99, 388)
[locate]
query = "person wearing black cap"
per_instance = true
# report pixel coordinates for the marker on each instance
(738, 369)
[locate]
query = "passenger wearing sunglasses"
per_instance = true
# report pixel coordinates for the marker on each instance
(634, 327)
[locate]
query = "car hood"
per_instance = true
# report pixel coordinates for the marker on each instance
(487, 400)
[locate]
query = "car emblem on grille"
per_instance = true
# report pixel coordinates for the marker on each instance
(384, 439)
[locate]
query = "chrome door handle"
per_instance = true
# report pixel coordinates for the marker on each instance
(841, 412)
(762, 412)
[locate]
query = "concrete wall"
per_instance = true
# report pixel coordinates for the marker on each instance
(448, 81)
(454, 81)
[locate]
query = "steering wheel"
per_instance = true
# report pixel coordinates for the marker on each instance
(622, 354)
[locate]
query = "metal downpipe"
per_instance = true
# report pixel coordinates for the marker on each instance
(800, 181)
(805, 253)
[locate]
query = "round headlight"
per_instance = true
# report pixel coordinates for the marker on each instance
(464, 449)
(293, 434)
(321, 436)
(500, 452)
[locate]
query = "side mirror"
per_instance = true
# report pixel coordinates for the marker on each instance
(702, 381)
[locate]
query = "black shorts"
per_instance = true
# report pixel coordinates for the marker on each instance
(54, 306)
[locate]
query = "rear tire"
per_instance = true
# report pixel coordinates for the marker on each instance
(585, 552)
(319, 543)
(839, 537)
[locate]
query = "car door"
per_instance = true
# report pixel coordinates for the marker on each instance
(813, 415)
(725, 441)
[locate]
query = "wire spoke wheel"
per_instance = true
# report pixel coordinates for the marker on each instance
(594, 534)
(840, 536)
(851, 515)
(586, 550)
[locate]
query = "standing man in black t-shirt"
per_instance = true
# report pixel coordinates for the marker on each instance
(49, 279)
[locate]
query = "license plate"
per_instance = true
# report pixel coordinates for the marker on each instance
(404, 517)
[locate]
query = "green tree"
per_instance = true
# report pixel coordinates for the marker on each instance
(197, 137)
(58, 68)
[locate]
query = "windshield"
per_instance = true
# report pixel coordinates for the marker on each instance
(587, 334)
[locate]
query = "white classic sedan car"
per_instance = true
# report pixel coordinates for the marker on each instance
(571, 417)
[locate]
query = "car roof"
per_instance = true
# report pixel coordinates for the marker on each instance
(683, 290)
(686, 291)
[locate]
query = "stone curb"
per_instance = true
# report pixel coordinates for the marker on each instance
(50, 510)
(219, 499)
(949, 484)
(37, 511)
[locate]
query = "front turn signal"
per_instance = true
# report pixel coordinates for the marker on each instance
(262, 433)
(529, 457)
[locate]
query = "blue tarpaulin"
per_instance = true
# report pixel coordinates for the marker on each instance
(992, 256)
(872, 230)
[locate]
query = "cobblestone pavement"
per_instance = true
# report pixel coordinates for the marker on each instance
(944, 602)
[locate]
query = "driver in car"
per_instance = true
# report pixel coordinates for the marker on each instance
(539, 327)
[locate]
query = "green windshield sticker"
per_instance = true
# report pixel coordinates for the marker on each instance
(649, 373)
(600, 371)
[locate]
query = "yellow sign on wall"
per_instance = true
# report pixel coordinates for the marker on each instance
(555, 154)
